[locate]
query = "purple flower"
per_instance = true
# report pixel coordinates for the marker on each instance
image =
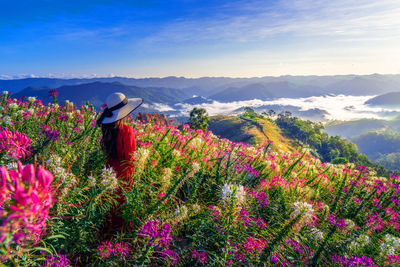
(353, 261)
(56, 261)
(201, 257)
(393, 259)
(50, 134)
(362, 168)
(261, 197)
(53, 93)
(108, 249)
(171, 255)
(159, 233)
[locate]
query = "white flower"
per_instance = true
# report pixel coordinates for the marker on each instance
(13, 105)
(196, 208)
(240, 194)
(230, 191)
(12, 166)
(317, 234)
(305, 209)
(197, 142)
(5, 93)
(92, 181)
(7, 120)
(181, 212)
(176, 153)
(31, 110)
(359, 242)
(167, 173)
(226, 192)
(54, 160)
(195, 167)
(109, 178)
(31, 99)
(391, 245)
(349, 224)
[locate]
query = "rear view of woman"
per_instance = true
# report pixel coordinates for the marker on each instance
(119, 145)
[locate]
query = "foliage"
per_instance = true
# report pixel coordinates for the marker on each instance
(198, 119)
(328, 148)
(196, 199)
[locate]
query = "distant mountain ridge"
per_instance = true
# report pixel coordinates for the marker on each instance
(219, 87)
(391, 99)
(97, 92)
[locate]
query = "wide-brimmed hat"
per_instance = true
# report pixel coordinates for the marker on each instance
(118, 107)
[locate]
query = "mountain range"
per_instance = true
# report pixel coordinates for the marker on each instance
(96, 93)
(232, 89)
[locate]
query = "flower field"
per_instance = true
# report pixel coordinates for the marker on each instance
(196, 199)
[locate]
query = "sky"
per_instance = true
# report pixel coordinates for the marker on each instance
(233, 38)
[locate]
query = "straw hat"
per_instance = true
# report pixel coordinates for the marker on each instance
(118, 107)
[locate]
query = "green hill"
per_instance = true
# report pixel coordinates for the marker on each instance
(242, 129)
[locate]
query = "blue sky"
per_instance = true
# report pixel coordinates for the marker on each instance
(199, 38)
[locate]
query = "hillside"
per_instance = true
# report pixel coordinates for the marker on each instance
(240, 129)
(386, 100)
(350, 129)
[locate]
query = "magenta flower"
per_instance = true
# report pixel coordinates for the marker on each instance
(50, 134)
(353, 261)
(393, 259)
(53, 93)
(14, 144)
(26, 197)
(200, 257)
(170, 255)
(108, 249)
(261, 198)
(159, 233)
(56, 261)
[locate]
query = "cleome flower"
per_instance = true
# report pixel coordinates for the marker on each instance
(109, 178)
(25, 197)
(236, 192)
(303, 208)
(14, 144)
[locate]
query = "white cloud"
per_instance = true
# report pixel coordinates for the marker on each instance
(257, 20)
(341, 107)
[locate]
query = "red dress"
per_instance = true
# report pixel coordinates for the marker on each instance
(123, 165)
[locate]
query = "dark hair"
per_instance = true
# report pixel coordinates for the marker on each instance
(109, 141)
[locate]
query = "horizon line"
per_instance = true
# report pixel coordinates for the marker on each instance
(5, 77)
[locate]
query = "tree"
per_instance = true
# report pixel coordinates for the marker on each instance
(198, 119)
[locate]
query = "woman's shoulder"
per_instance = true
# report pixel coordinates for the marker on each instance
(126, 129)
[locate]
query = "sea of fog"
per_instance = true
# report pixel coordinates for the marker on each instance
(340, 107)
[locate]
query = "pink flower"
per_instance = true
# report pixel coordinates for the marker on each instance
(108, 249)
(201, 257)
(26, 198)
(14, 144)
(157, 232)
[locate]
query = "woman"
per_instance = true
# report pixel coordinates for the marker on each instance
(118, 143)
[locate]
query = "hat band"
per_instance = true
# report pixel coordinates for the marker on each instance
(120, 105)
(108, 111)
